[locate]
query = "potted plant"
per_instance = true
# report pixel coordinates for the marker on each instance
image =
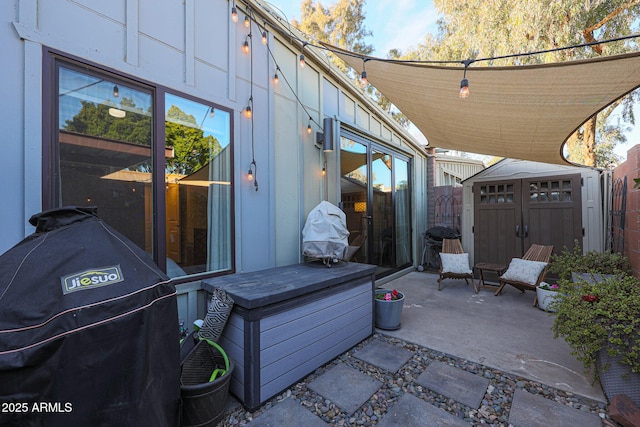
(546, 294)
(388, 309)
(601, 323)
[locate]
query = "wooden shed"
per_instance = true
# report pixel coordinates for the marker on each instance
(515, 203)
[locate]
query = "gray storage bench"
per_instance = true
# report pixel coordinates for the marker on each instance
(288, 321)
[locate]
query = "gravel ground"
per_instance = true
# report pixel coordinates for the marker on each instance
(494, 409)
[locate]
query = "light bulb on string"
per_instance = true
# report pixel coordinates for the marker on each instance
(248, 111)
(302, 60)
(264, 37)
(363, 75)
(464, 83)
(234, 14)
(275, 76)
(309, 128)
(245, 46)
(247, 22)
(464, 88)
(116, 91)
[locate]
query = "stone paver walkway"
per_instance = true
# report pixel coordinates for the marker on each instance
(345, 388)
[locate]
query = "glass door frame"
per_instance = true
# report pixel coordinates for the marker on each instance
(371, 146)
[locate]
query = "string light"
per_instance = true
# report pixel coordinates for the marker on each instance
(464, 83)
(234, 13)
(248, 111)
(275, 75)
(324, 168)
(464, 88)
(116, 91)
(264, 37)
(309, 129)
(363, 76)
(250, 172)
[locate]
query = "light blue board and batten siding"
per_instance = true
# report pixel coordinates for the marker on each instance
(296, 342)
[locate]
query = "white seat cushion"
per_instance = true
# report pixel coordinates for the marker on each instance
(455, 263)
(525, 271)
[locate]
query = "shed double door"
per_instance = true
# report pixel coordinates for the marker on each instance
(511, 215)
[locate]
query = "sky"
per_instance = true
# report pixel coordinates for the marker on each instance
(387, 20)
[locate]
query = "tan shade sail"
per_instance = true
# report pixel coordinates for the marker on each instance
(521, 112)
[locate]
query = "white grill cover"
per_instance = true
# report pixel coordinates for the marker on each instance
(325, 233)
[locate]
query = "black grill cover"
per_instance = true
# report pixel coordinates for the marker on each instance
(439, 232)
(89, 332)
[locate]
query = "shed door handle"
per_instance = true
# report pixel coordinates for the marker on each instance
(518, 231)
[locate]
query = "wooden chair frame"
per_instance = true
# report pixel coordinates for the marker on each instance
(453, 246)
(535, 253)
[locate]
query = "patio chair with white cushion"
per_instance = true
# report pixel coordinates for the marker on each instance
(528, 272)
(454, 263)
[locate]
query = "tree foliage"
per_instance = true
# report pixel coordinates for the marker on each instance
(342, 24)
(471, 29)
(95, 120)
(191, 149)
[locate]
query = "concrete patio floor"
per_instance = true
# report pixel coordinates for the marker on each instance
(503, 332)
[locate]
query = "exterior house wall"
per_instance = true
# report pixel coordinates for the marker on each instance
(631, 169)
(193, 47)
(450, 168)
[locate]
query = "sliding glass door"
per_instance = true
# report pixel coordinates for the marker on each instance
(375, 197)
(354, 191)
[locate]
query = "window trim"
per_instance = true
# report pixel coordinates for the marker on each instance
(51, 61)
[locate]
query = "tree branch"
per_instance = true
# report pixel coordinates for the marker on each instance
(588, 32)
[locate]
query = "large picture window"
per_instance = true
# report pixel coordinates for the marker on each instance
(156, 164)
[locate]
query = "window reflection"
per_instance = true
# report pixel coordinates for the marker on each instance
(403, 212)
(198, 183)
(105, 151)
(382, 209)
(353, 184)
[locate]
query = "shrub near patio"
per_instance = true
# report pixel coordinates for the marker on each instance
(599, 319)
(605, 315)
(574, 261)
